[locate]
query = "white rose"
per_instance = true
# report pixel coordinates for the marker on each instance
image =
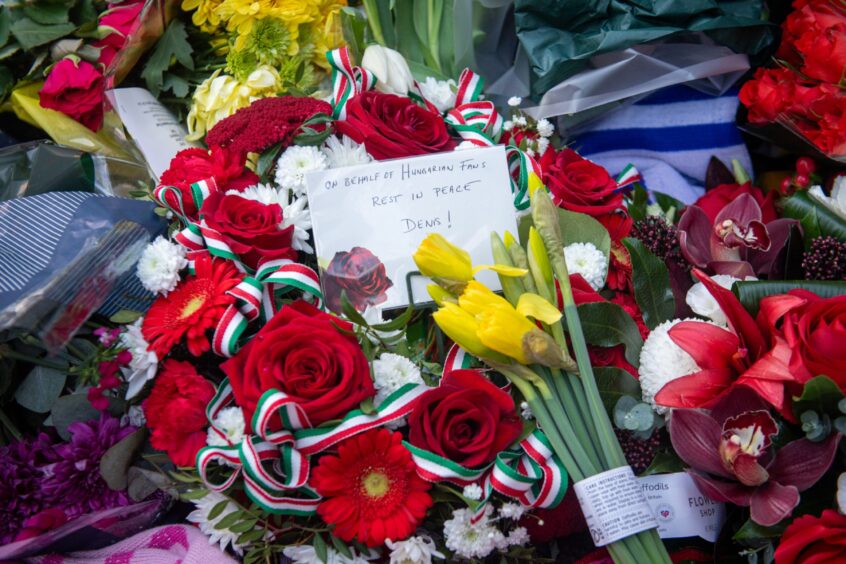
(390, 68)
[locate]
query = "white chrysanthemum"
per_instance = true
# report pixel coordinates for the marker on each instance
(512, 511)
(159, 266)
(230, 421)
(515, 101)
(305, 554)
(472, 491)
(413, 550)
(472, 540)
(293, 165)
(703, 303)
(587, 260)
(662, 361)
(526, 411)
(200, 516)
(441, 93)
(262, 193)
(144, 364)
(518, 537)
(298, 215)
(545, 128)
(837, 201)
(841, 493)
(391, 372)
(507, 125)
(344, 152)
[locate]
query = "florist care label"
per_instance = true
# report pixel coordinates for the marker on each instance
(680, 508)
(614, 505)
(369, 219)
(156, 131)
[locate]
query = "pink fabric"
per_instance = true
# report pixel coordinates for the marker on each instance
(172, 544)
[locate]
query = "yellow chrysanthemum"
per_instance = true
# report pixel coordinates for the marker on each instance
(221, 95)
(205, 17)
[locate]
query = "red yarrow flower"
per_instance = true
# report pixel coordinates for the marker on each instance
(265, 122)
(196, 305)
(371, 488)
(176, 411)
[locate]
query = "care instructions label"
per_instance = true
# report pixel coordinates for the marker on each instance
(680, 508)
(369, 220)
(154, 129)
(614, 505)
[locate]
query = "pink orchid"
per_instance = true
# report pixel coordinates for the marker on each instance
(732, 459)
(728, 358)
(737, 242)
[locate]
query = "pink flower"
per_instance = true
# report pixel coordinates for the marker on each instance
(120, 19)
(76, 91)
(729, 450)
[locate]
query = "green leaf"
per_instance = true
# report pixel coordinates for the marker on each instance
(125, 316)
(176, 84)
(816, 219)
(614, 383)
(40, 389)
(397, 323)
(8, 51)
(229, 520)
(651, 281)
(663, 463)
(266, 160)
(668, 203)
(367, 406)
(243, 526)
(354, 28)
(70, 409)
(752, 531)
(194, 494)
(340, 546)
(750, 293)
(605, 324)
(320, 548)
(7, 82)
(821, 395)
(5, 24)
(575, 228)
(350, 312)
(31, 34)
(47, 13)
(217, 509)
(250, 536)
(117, 460)
(172, 44)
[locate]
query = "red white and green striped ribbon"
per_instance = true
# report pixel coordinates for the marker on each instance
(347, 80)
(457, 359)
(470, 86)
(521, 165)
(628, 176)
(534, 476)
(199, 191)
(476, 122)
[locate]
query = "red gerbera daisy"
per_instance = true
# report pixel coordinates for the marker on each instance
(372, 489)
(192, 308)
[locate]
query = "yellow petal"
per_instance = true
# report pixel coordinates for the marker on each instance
(438, 258)
(462, 328)
(439, 294)
(502, 269)
(538, 251)
(534, 306)
(508, 239)
(477, 297)
(534, 183)
(502, 330)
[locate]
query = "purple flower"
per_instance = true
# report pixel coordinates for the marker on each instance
(732, 458)
(21, 475)
(75, 480)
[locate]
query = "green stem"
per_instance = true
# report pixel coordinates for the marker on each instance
(573, 413)
(9, 353)
(10, 426)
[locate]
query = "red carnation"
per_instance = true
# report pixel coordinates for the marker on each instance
(176, 411)
(225, 166)
(264, 123)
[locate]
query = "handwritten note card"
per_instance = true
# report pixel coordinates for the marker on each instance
(369, 219)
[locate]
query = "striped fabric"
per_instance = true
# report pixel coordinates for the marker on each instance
(669, 136)
(71, 253)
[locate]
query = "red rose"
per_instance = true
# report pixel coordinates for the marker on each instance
(121, 19)
(251, 229)
(361, 274)
(192, 165)
(302, 352)
(824, 54)
(814, 329)
(715, 199)
(813, 539)
(768, 93)
(393, 126)
(76, 91)
(466, 419)
(581, 186)
(176, 411)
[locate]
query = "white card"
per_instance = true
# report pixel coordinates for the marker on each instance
(156, 131)
(377, 214)
(680, 508)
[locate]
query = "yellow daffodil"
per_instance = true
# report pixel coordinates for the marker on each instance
(502, 329)
(535, 182)
(462, 328)
(440, 295)
(221, 95)
(450, 265)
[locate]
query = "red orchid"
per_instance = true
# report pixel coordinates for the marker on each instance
(732, 459)
(728, 358)
(737, 242)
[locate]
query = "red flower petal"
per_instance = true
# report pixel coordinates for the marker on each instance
(696, 390)
(711, 347)
(696, 439)
(802, 462)
(773, 502)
